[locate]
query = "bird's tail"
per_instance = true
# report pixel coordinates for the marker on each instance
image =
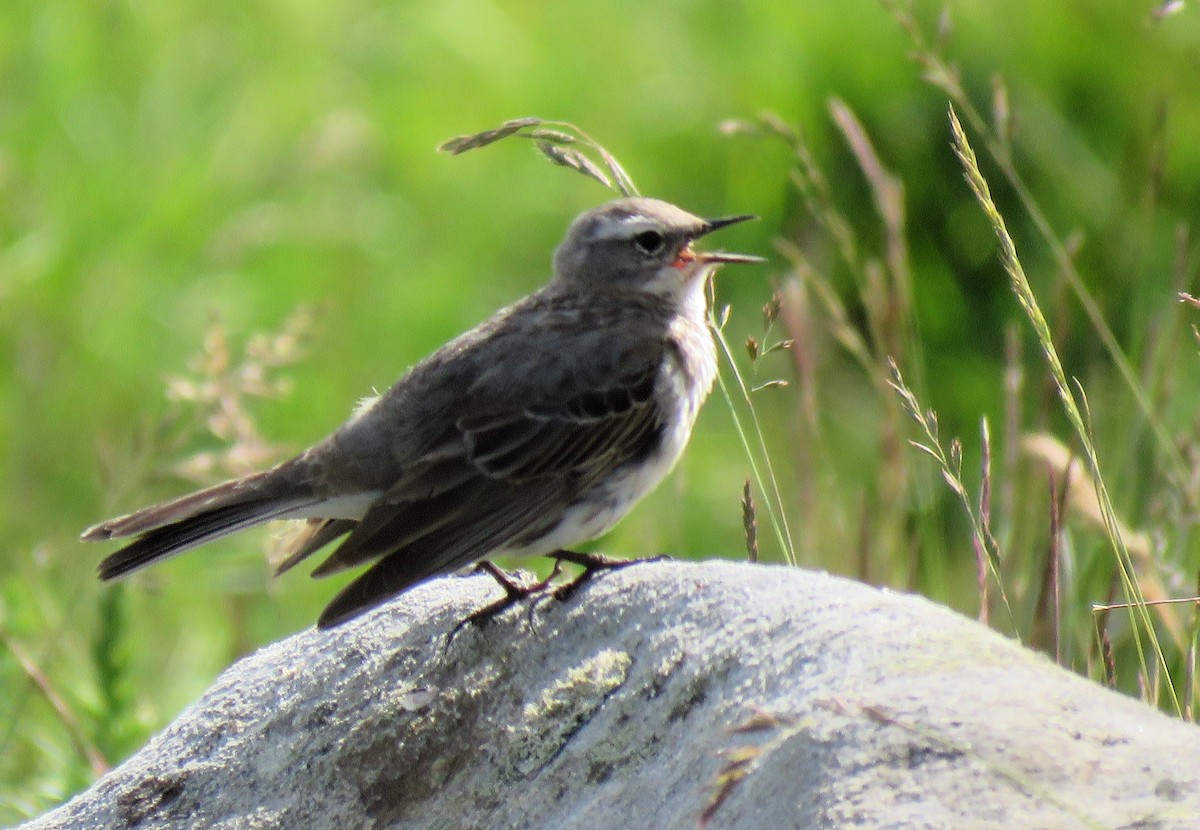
(183, 523)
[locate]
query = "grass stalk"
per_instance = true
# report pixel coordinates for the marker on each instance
(1140, 618)
(773, 497)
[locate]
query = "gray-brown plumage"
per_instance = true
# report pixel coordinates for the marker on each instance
(536, 430)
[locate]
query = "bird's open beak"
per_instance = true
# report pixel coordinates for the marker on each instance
(723, 256)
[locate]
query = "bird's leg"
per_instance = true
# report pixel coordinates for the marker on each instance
(591, 563)
(514, 592)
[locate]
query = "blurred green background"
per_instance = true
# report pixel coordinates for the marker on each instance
(165, 165)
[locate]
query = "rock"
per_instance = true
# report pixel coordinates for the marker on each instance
(620, 707)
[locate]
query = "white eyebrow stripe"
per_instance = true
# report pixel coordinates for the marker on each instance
(626, 227)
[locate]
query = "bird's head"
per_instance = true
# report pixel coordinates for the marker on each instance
(642, 244)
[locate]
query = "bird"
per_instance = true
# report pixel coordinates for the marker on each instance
(535, 431)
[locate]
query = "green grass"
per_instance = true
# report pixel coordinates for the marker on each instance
(179, 181)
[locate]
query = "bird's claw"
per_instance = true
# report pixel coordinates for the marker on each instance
(515, 592)
(591, 563)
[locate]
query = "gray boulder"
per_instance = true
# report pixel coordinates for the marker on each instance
(762, 697)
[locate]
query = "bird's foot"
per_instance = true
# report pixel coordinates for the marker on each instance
(514, 592)
(592, 563)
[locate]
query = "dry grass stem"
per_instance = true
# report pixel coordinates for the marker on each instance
(985, 516)
(750, 522)
(758, 456)
(1054, 565)
(70, 722)
(220, 388)
(561, 142)
(462, 143)
(1143, 625)
(948, 79)
(949, 463)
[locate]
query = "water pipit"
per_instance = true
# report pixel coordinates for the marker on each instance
(537, 430)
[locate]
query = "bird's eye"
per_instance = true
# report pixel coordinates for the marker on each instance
(650, 242)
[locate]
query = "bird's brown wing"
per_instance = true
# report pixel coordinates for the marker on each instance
(501, 477)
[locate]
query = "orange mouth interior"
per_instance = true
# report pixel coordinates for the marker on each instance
(685, 257)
